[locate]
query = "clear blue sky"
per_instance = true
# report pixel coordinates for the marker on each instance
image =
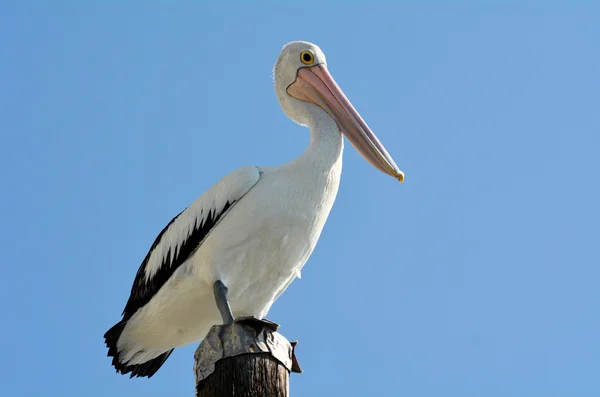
(479, 276)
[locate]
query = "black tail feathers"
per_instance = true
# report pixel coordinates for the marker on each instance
(147, 369)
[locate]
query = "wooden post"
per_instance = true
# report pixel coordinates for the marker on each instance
(248, 358)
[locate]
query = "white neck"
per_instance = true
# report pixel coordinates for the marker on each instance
(326, 145)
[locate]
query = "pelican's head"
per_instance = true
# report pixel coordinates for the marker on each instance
(305, 88)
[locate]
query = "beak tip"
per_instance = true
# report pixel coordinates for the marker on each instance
(400, 176)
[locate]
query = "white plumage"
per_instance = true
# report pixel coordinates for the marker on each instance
(229, 189)
(254, 230)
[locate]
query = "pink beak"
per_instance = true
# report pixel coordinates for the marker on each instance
(316, 85)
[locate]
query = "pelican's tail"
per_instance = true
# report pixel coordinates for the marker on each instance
(147, 369)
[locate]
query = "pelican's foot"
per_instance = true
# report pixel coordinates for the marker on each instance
(253, 321)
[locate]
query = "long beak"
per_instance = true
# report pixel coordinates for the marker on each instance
(316, 85)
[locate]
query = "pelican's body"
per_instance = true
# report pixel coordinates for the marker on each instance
(253, 231)
(257, 250)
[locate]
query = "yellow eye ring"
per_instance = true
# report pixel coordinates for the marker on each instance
(307, 57)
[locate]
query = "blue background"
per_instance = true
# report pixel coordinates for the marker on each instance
(476, 277)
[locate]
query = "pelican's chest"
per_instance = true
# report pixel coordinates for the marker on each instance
(270, 233)
(300, 198)
(286, 213)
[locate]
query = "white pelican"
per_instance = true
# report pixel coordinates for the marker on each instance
(235, 249)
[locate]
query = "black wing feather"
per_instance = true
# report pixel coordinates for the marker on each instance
(142, 291)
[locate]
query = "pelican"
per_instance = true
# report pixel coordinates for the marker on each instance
(237, 248)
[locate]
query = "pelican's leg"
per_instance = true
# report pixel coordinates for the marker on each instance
(222, 304)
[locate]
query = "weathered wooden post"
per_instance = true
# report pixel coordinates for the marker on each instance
(247, 358)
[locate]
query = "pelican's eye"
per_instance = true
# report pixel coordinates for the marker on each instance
(307, 57)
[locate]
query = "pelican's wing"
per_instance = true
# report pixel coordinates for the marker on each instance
(184, 234)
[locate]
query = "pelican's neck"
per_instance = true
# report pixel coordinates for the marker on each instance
(326, 145)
